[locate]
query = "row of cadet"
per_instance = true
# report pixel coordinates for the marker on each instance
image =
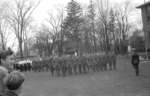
(69, 65)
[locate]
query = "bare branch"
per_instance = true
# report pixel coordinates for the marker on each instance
(20, 19)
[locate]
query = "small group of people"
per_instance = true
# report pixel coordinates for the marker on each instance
(22, 66)
(10, 83)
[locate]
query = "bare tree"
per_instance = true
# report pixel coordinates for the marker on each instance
(2, 34)
(42, 41)
(4, 26)
(50, 34)
(20, 19)
(91, 19)
(103, 15)
(123, 25)
(114, 24)
(27, 37)
(123, 19)
(55, 29)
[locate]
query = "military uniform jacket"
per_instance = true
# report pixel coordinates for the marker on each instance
(135, 59)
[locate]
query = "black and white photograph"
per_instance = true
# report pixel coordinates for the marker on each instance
(74, 47)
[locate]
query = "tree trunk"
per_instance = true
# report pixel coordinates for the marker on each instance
(60, 46)
(20, 48)
(107, 40)
(95, 45)
(2, 40)
(3, 44)
(26, 50)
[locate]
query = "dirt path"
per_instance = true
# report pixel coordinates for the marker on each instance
(121, 82)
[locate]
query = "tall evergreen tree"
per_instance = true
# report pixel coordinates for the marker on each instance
(91, 17)
(91, 11)
(73, 21)
(72, 25)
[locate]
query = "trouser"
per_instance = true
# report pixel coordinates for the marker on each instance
(136, 68)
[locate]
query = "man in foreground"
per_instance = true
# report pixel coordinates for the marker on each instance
(13, 83)
(3, 74)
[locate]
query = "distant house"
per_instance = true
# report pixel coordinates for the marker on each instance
(145, 10)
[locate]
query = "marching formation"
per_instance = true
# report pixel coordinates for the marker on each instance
(64, 66)
(25, 65)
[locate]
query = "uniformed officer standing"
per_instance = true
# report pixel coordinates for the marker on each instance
(135, 62)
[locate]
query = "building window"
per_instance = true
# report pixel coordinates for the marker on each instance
(148, 13)
(148, 18)
(148, 37)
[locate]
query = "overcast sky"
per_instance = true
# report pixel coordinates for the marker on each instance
(50, 5)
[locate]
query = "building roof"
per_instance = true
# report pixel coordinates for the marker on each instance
(143, 5)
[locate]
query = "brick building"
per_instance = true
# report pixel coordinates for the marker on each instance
(145, 12)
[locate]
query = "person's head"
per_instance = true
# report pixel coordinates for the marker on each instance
(133, 51)
(3, 74)
(14, 81)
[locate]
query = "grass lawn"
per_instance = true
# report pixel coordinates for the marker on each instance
(121, 82)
